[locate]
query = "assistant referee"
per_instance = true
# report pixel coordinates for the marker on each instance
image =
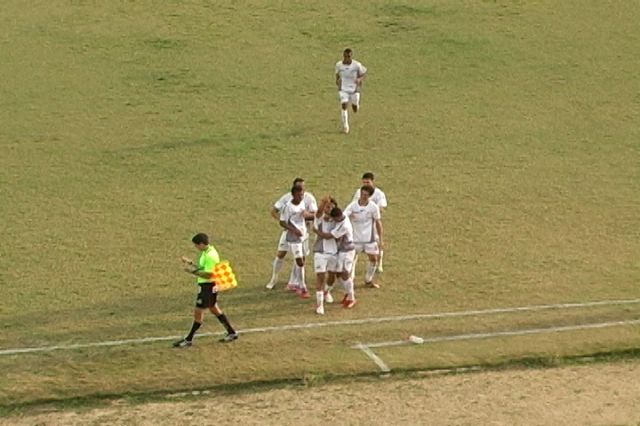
(208, 294)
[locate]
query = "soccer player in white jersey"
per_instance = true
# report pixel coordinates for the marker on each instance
(367, 230)
(349, 76)
(283, 247)
(343, 234)
(325, 253)
(380, 199)
(293, 219)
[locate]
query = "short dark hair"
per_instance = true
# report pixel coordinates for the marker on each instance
(297, 180)
(368, 189)
(200, 239)
(336, 212)
(348, 50)
(295, 189)
(368, 175)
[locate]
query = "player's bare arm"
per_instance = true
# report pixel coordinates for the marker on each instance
(291, 228)
(275, 213)
(379, 230)
(338, 81)
(322, 234)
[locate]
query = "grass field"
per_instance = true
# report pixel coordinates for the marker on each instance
(505, 134)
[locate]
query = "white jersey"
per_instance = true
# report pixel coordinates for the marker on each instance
(364, 220)
(309, 202)
(343, 233)
(294, 215)
(325, 245)
(378, 197)
(348, 75)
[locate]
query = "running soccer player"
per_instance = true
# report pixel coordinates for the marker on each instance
(349, 76)
(367, 230)
(380, 199)
(293, 219)
(283, 246)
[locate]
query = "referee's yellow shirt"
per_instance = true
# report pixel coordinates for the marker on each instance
(208, 259)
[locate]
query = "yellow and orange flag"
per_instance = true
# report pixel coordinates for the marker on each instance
(224, 277)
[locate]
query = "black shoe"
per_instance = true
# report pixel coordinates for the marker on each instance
(184, 343)
(229, 337)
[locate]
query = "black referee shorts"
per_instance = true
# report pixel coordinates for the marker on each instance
(206, 297)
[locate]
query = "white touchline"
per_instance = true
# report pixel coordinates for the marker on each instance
(379, 362)
(523, 332)
(532, 308)
(384, 368)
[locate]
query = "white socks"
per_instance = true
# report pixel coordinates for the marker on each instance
(371, 270)
(319, 298)
(353, 268)
(344, 117)
(348, 288)
(302, 283)
(299, 276)
(293, 276)
(277, 267)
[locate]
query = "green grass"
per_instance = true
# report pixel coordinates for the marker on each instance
(504, 134)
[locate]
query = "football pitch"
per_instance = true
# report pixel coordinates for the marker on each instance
(504, 133)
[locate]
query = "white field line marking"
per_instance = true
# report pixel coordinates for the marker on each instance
(475, 336)
(375, 358)
(532, 308)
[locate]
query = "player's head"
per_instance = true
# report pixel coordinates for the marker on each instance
(366, 191)
(367, 179)
(299, 182)
(336, 214)
(346, 56)
(297, 194)
(201, 241)
(330, 205)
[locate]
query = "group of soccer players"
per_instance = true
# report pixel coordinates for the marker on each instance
(340, 235)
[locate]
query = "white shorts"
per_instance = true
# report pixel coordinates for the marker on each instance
(323, 262)
(297, 250)
(349, 98)
(345, 261)
(283, 244)
(369, 248)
